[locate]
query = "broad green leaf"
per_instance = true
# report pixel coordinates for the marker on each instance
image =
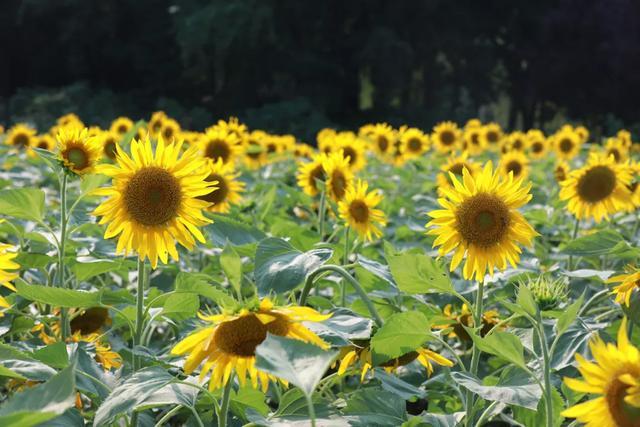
(181, 302)
(238, 233)
(8, 373)
(91, 182)
(401, 333)
(569, 315)
(419, 273)
(56, 296)
(24, 364)
(502, 344)
(54, 355)
(375, 406)
(49, 400)
(26, 419)
(573, 341)
(342, 327)
(33, 260)
(538, 416)
(249, 397)
(172, 394)
(279, 267)
(526, 301)
(300, 363)
(443, 420)
(602, 242)
(87, 270)
(199, 283)
(516, 389)
(395, 385)
(22, 203)
(232, 266)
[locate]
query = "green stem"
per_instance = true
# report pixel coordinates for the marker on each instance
(475, 355)
(485, 415)
(574, 234)
(343, 285)
(321, 212)
(168, 416)
(64, 314)
(137, 338)
(224, 404)
(312, 410)
(548, 390)
(308, 284)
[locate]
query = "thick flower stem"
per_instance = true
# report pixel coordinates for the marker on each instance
(312, 410)
(64, 313)
(321, 214)
(548, 390)
(137, 338)
(343, 285)
(308, 284)
(574, 234)
(224, 404)
(475, 355)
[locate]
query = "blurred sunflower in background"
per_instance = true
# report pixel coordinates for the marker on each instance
(414, 143)
(44, 142)
(21, 136)
(121, 125)
(583, 134)
(382, 137)
(473, 141)
(153, 201)
(537, 144)
(358, 210)
(566, 144)
(615, 147)
(614, 378)
(354, 149)
(229, 343)
(516, 141)
(492, 136)
(78, 152)
(515, 162)
(561, 171)
(309, 173)
(325, 139)
(598, 189)
(155, 123)
(455, 165)
(234, 127)
(255, 154)
(7, 265)
(220, 144)
(69, 120)
(446, 137)
(480, 222)
(170, 129)
(108, 141)
(228, 188)
(464, 318)
(339, 177)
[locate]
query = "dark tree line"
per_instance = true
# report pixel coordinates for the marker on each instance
(295, 66)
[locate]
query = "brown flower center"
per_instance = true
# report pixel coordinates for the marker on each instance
(566, 145)
(152, 196)
(21, 140)
(515, 167)
(492, 137)
(218, 195)
(414, 145)
(623, 414)
(483, 220)
(350, 153)
(90, 321)
(359, 211)
(447, 137)
(597, 184)
(338, 184)
(122, 129)
(77, 156)
(383, 143)
(537, 147)
(241, 336)
(110, 149)
(218, 149)
(316, 173)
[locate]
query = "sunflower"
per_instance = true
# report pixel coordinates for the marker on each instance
(358, 210)
(154, 199)
(516, 141)
(44, 142)
(472, 123)
(303, 150)
(464, 318)
(455, 165)
(616, 148)
(78, 152)
(156, 121)
(229, 342)
(339, 176)
(311, 172)
(361, 352)
(234, 127)
(583, 134)
(413, 143)
(566, 144)
(255, 155)
(473, 141)
(598, 189)
(7, 264)
(170, 129)
(613, 378)
(382, 137)
(515, 162)
(228, 188)
(220, 144)
(446, 137)
(325, 139)
(561, 171)
(191, 138)
(492, 135)
(354, 149)
(108, 141)
(629, 281)
(480, 222)
(625, 136)
(70, 120)
(20, 136)
(121, 125)
(537, 144)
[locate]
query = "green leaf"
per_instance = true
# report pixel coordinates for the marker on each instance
(182, 303)
(8, 373)
(279, 267)
(91, 182)
(87, 270)
(538, 416)
(56, 296)
(249, 397)
(232, 266)
(238, 233)
(401, 333)
(397, 386)
(33, 260)
(602, 242)
(300, 363)
(22, 203)
(516, 388)
(569, 315)
(418, 273)
(199, 283)
(24, 364)
(375, 406)
(54, 355)
(502, 344)
(526, 300)
(48, 400)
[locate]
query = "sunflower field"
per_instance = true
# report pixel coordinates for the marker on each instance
(464, 275)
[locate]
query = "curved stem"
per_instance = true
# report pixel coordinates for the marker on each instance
(137, 337)
(475, 355)
(168, 416)
(485, 415)
(64, 313)
(345, 274)
(224, 404)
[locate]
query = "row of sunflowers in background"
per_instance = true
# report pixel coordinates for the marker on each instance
(275, 283)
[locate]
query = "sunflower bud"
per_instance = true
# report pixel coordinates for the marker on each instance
(548, 293)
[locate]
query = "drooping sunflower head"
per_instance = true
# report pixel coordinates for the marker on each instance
(354, 149)
(78, 152)
(414, 143)
(154, 199)
(339, 175)
(455, 165)
(613, 378)
(108, 141)
(44, 142)
(170, 129)
(229, 342)
(309, 173)
(598, 189)
(358, 210)
(382, 138)
(7, 273)
(20, 136)
(616, 148)
(90, 321)
(446, 137)
(220, 144)
(479, 222)
(492, 135)
(566, 143)
(255, 154)
(473, 141)
(228, 187)
(537, 144)
(121, 125)
(516, 163)
(155, 122)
